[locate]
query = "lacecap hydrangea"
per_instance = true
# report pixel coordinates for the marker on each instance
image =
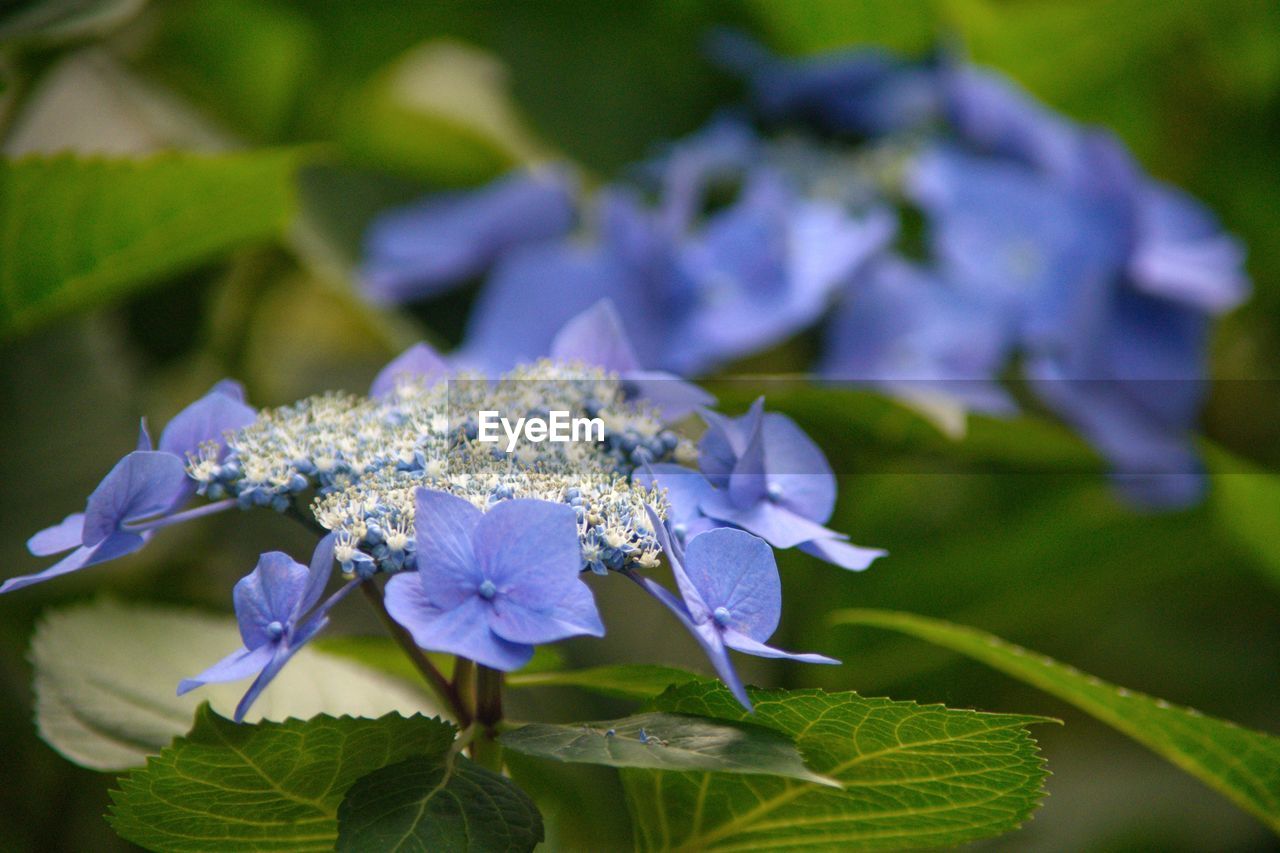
(486, 544)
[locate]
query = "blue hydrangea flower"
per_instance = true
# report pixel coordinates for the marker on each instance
(596, 337)
(491, 585)
(861, 92)
(901, 328)
(142, 489)
(764, 475)
(277, 613)
(443, 241)
(731, 597)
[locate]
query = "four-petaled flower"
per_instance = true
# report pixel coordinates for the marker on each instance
(491, 585)
(274, 607)
(141, 490)
(760, 472)
(732, 596)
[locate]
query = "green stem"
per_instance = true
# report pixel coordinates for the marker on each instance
(446, 692)
(486, 750)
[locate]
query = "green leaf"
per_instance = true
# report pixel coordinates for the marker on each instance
(667, 742)
(1240, 763)
(271, 786)
(57, 20)
(75, 233)
(816, 26)
(625, 681)
(911, 776)
(432, 803)
(441, 112)
(1246, 499)
(106, 676)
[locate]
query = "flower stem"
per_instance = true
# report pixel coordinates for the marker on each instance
(485, 749)
(446, 692)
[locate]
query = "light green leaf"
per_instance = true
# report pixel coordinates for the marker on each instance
(1240, 763)
(1247, 501)
(816, 26)
(441, 112)
(667, 742)
(430, 803)
(106, 677)
(272, 786)
(56, 20)
(911, 776)
(77, 232)
(625, 681)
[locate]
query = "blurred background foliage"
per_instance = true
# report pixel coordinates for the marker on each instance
(329, 111)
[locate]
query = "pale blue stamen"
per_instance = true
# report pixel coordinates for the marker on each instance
(721, 615)
(275, 630)
(487, 590)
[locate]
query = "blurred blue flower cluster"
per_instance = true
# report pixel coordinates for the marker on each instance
(966, 249)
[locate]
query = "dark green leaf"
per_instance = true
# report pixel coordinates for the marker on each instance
(625, 681)
(667, 742)
(1240, 763)
(433, 803)
(270, 786)
(1247, 500)
(911, 776)
(77, 232)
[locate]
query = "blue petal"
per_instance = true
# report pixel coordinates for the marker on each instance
(1183, 254)
(685, 489)
(427, 248)
(463, 630)
(742, 643)
(747, 485)
(860, 92)
(797, 470)
(530, 550)
(419, 362)
(241, 663)
(63, 536)
(144, 436)
(668, 393)
(777, 525)
(707, 635)
(218, 412)
(143, 484)
(735, 570)
(444, 526)
(318, 573)
(697, 609)
(596, 337)
(77, 559)
(572, 615)
(725, 441)
(534, 292)
(994, 115)
(842, 554)
(912, 333)
(272, 592)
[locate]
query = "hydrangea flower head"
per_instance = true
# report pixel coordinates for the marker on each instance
(731, 597)
(277, 614)
(491, 585)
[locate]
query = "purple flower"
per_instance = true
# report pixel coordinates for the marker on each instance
(491, 585)
(732, 596)
(773, 481)
(419, 363)
(763, 474)
(863, 92)
(139, 493)
(427, 248)
(596, 338)
(277, 613)
(903, 329)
